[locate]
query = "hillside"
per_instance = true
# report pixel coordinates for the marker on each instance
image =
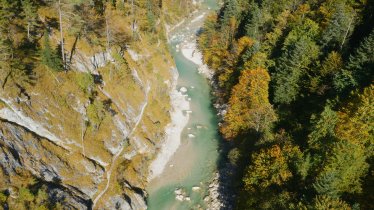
(84, 100)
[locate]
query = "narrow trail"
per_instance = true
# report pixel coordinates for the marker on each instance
(115, 157)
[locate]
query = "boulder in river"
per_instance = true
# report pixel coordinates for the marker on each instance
(179, 197)
(195, 188)
(178, 191)
(183, 90)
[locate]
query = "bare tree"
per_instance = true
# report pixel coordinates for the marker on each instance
(61, 34)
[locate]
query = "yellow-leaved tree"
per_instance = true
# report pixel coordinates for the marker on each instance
(249, 106)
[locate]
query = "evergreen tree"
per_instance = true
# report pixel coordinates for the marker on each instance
(255, 21)
(299, 51)
(360, 67)
(339, 27)
(291, 67)
(323, 129)
(346, 166)
(306, 47)
(49, 57)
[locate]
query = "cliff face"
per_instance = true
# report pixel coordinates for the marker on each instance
(84, 138)
(51, 136)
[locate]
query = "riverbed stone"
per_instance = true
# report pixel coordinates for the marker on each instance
(190, 135)
(183, 90)
(195, 188)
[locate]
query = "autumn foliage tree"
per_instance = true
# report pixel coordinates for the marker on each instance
(249, 105)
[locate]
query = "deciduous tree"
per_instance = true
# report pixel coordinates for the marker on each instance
(249, 106)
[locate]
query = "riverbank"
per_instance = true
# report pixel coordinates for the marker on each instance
(190, 52)
(173, 130)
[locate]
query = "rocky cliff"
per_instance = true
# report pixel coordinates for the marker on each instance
(84, 137)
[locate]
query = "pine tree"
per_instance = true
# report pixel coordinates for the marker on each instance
(339, 27)
(5, 57)
(360, 67)
(49, 57)
(291, 67)
(254, 22)
(299, 51)
(346, 166)
(323, 129)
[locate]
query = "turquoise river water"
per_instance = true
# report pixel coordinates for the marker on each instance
(195, 161)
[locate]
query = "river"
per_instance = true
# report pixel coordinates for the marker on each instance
(195, 161)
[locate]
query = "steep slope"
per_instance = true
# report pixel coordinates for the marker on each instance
(79, 130)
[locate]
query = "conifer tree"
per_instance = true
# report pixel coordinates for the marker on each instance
(339, 27)
(49, 57)
(360, 67)
(346, 166)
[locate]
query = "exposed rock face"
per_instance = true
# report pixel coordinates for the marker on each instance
(85, 166)
(83, 135)
(21, 149)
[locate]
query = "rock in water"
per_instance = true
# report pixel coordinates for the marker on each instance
(179, 197)
(178, 191)
(183, 90)
(195, 188)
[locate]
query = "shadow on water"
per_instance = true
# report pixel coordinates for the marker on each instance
(225, 169)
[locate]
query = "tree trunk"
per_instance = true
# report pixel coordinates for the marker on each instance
(28, 31)
(61, 35)
(107, 34)
(346, 33)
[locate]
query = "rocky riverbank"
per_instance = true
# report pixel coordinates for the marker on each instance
(173, 130)
(220, 192)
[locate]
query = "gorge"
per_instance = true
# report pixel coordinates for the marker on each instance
(186, 104)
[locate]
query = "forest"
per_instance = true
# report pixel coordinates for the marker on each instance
(30, 29)
(297, 76)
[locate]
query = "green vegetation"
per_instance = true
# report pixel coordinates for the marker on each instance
(298, 79)
(49, 56)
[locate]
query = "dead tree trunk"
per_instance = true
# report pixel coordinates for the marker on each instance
(61, 35)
